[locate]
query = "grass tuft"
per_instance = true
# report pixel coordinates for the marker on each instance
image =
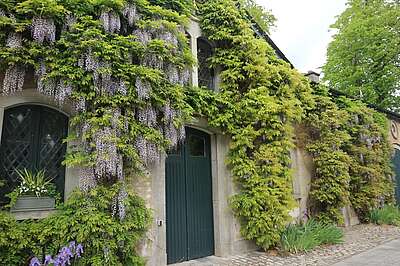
(386, 215)
(307, 236)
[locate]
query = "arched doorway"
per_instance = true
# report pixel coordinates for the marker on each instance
(190, 228)
(32, 138)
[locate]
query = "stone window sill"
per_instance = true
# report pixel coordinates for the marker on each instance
(32, 214)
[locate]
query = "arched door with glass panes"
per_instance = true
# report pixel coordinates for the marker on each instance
(32, 138)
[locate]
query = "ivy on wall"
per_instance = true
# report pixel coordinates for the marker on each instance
(259, 97)
(352, 157)
(122, 66)
(325, 139)
(371, 174)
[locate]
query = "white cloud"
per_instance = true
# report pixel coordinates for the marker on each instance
(302, 31)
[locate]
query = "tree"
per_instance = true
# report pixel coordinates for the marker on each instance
(364, 57)
(262, 16)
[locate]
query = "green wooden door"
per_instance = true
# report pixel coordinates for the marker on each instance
(32, 138)
(190, 229)
(396, 164)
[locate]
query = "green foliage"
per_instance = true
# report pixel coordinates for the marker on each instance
(262, 16)
(121, 55)
(258, 99)
(370, 152)
(14, 241)
(363, 58)
(388, 214)
(352, 156)
(89, 219)
(325, 139)
(86, 218)
(305, 237)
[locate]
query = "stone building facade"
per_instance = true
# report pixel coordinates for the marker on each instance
(226, 239)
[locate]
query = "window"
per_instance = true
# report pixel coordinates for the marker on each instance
(205, 73)
(197, 146)
(32, 138)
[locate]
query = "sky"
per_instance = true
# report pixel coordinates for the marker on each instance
(302, 31)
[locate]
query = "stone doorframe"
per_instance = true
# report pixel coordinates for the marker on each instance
(153, 189)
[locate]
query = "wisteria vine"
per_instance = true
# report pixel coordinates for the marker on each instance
(121, 65)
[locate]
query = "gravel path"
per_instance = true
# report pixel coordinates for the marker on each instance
(357, 239)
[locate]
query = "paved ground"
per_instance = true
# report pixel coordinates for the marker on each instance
(382, 244)
(387, 254)
(357, 239)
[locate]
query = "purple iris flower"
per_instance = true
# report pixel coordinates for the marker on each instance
(79, 250)
(35, 262)
(47, 260)
(72, 245)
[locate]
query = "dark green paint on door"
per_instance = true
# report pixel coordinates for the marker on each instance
(396, 164)
(190, 229)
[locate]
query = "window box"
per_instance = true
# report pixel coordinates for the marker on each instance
(28, 207)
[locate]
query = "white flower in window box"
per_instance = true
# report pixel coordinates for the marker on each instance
(36, 192)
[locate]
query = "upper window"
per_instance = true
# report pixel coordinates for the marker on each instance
(32, 138)
(206, 74)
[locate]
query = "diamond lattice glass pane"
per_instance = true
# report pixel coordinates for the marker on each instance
(205, 73)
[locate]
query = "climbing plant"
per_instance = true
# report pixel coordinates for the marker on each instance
(122, 66)
(352, 157)
(371, 183)
(259, 97)
(324, 141)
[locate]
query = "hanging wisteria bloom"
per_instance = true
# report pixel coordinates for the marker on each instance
(131, 14)
(80, 105)
(121, 88)
(87, 179)
(70, 20)
(107, 156)
(173, 134)
(63, 91)
(143, 89)
(167, 36)
(143, 36)
(111, 21)
(147, 116)
(153, 61)
(185, 77)
(14, 78)
(172, 74)
(49, 87)
(43, 29)
(122, 196)
(14, 40)
(2, 13)
(88, 61)
(141, 148)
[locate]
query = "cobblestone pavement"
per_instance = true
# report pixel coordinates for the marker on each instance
(357, 239)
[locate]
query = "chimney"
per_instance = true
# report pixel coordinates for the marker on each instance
(313, 76)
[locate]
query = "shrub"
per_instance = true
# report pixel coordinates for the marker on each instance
(13, 241)
(91, 219)
(305, 237)
(387, 215)
(87, 218)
